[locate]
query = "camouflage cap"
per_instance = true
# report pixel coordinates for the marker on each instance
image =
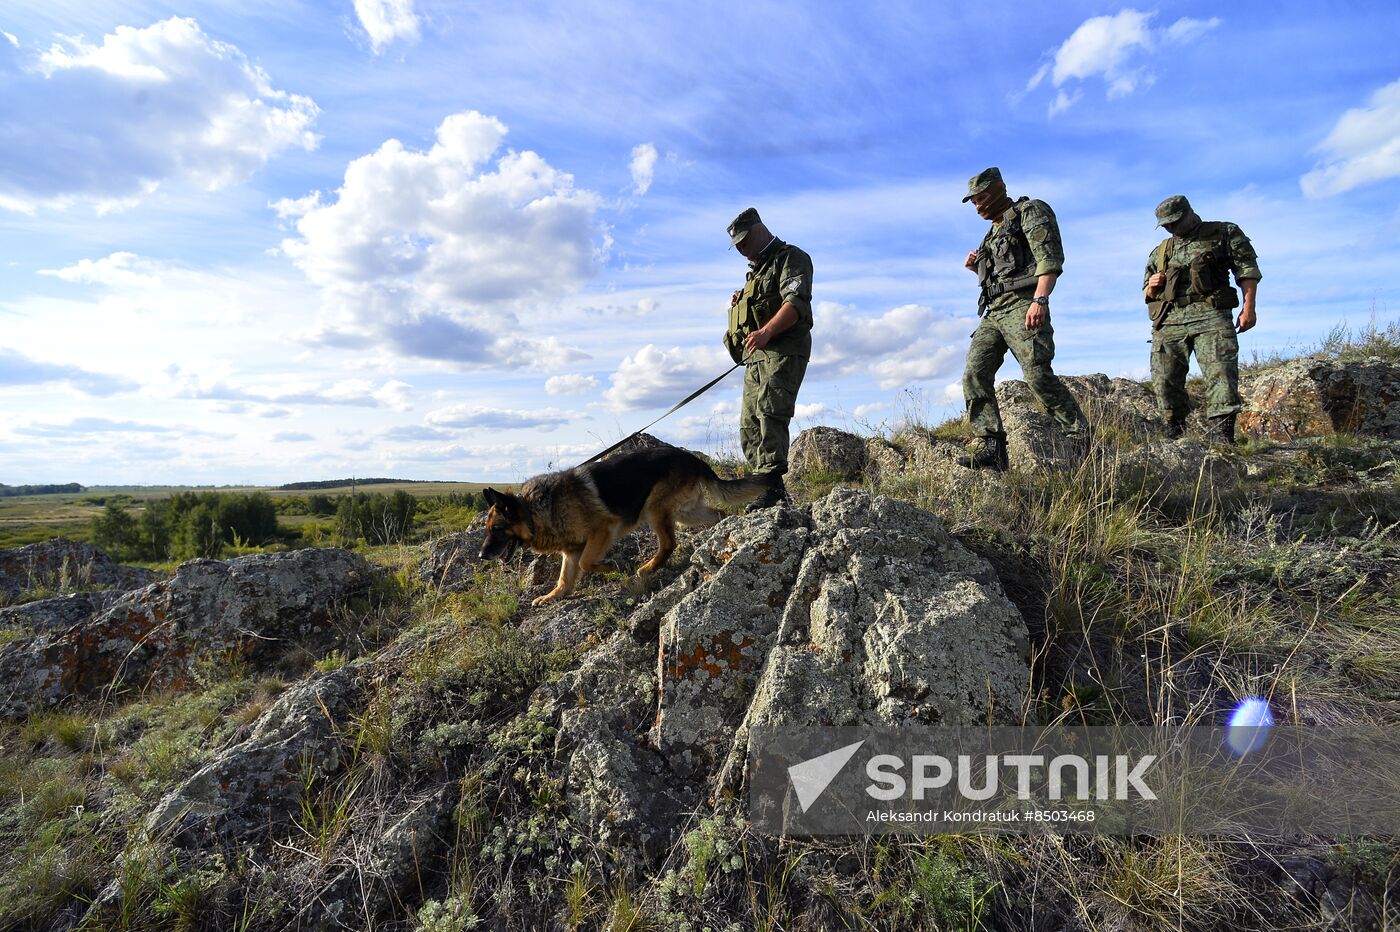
(982, 181)
(1172, 209)
(739, 227)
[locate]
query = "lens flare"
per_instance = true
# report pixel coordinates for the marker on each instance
(1249, 725)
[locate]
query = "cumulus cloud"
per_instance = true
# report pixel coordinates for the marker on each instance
(570, 384)
(118, 270)
(910, 343)
(460, 416)
(653, 377)
(432, 253)
(387, 20)
(108, 124)
(641, 308)
(643, 167)
(17, 369)
(360, 393)
(102, 425)
(1115, 48)
(1363, 147)
(411, 432)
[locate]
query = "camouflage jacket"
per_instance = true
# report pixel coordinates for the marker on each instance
(1023, 244)
(782, 274)
(1198, 266)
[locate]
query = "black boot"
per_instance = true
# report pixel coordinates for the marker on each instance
(1176, 426)
(1222, 429)
(991, 456)
(775, 493)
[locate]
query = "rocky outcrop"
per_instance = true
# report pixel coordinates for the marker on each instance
(855, 609)
(1317, 397)
(65, 564)
(828, 452)
(154, 637)
(1173, 464)
(57, 614)
(449, 563)
(256, 785)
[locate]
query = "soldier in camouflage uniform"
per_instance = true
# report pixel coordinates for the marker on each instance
(1017, 265)
(770, 332)
(1189, 298)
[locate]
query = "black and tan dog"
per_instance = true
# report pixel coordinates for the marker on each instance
(580, 512)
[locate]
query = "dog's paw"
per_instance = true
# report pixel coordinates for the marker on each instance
(547, 597)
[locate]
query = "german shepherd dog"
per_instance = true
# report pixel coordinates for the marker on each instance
(581, 512)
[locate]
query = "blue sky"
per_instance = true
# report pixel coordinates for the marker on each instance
(257, 242)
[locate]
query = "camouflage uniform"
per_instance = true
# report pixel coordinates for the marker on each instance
(782, 274)
(1192, 312)
(1022, 244)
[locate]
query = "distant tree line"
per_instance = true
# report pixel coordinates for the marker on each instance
(7, 491)
(206, 524)
(186, 525)
(333, 484)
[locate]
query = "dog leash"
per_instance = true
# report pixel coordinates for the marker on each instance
(681, 404)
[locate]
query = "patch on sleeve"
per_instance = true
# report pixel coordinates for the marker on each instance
(793, 284)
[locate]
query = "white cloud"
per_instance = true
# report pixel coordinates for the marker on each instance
(387, 20)
(432, 254)
(13, 39)
(641, 308)
(17, 369)
(643, 167)
(874, 407)
(291, 436)
(118, 270)
(360, 393)
(814, 409)
(108, 124)
(654, 377)
(1363, 147)
(461, 416)
(910, 343)
(570, 384)
(1115, 48)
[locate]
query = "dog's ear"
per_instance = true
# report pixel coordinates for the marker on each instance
(492, 497)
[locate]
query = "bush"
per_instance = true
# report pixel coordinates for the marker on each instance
(377, 518)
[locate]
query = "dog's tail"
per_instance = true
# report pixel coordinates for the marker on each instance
(732, 492)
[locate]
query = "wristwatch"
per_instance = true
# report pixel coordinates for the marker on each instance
(1043, 300)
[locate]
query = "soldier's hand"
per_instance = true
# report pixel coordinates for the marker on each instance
(756, 340)
(1155, 283)
(1036, 316)
(734, 298)
(971, 261)
(1246, 320)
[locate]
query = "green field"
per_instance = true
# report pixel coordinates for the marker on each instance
(25, 519)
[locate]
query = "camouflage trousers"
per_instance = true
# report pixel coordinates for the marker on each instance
(1211, 336)
(771, 382)
(1001, 329)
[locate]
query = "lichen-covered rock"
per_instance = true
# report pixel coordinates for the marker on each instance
(450, 560)
(890, 621)
(1173, 465)
(65, 564)
(1121, 405)
(1317, 397)
(855, 609)
(827, 451)
(1033, 440)
(715, 638)
(616, 782)
(154, 637)
(57, 614)
(256, 785)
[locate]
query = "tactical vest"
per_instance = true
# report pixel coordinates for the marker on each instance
(757, 307)
(1203, 280)
(1004, 260)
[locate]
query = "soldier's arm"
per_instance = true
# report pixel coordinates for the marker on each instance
(1043, 236)
(795, 288)
(1244, 262)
